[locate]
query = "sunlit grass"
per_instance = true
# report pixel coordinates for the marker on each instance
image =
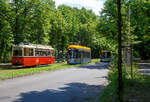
(6, 73)
(135, 90)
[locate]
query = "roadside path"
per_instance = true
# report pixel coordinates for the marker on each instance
(79, 84)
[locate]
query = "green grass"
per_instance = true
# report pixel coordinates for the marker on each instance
(109, 94)
(135, 90)
(6, 72)
(138, 89)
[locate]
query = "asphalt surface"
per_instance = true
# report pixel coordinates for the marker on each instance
(144, 68)
(79, 84)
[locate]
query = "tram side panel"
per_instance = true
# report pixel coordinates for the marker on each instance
(17, 60)
(46, 60)
(29, 61)
(32, 61)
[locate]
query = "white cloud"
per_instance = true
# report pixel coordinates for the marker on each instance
(95, 5)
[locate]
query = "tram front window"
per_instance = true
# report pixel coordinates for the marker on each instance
(17, 51)
(102, 55)
(69, 54)
(73, 53)
(108, 54)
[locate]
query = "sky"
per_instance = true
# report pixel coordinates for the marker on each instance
(95, 5)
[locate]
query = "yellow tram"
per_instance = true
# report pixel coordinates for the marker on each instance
(105, 56)
(78, 54)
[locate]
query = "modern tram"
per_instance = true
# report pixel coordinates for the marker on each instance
(105, 56)
(77, 54)
(32, 54)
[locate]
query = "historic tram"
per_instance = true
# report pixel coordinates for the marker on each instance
(105, 56)
(32, 54)
(78, 54)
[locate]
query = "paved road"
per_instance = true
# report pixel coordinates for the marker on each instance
(78, 84)
(145, 68)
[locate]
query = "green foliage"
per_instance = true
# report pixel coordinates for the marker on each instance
(142, 22)
(135, 24)
(6, 35)
(110, 92)
(132, 87)
(39, 21)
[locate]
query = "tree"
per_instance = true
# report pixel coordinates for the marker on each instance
(120, 82)
(59, 37)
(6, 34)
(39, 22)
(141, 23)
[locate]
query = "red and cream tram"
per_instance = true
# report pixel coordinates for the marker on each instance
(32, 54)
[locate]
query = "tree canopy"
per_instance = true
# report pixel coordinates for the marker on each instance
(40, 22)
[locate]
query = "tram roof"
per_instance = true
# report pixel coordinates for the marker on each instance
(33, 46)
(104, 51)
(78, 46)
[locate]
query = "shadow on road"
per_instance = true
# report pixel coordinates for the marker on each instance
(73, 92)
(100, 65)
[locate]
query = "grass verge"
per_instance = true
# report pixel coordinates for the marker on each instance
(7, 73)
(135, 90)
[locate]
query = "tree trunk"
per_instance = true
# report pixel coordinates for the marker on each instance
(16, 24)
(120, 82)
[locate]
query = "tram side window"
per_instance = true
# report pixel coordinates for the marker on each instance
(39, 52)
(88, 54)
(78, 54)
(48, 53)
(28, 52)
(82, 54)
(42, 52)
(17, 52)
(75, 53)
(85, 55)
(52, 53)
